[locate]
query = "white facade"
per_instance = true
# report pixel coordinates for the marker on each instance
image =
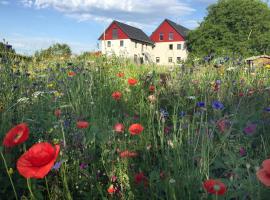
(160, 54)
(128, 49)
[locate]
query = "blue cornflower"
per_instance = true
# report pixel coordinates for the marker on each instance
(267, 109)
(217, 105)
(182, 114)
(57, 165)
(164, 113)
(201, 104)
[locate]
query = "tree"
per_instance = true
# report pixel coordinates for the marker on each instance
(239, 27)
(55, 51)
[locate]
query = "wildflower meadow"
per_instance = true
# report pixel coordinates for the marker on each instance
(98, 128)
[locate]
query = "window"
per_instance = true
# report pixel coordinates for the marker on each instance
(178, 59)
(135, 58)
(170, 36)
(142, 47)
(161, 36)
(109, 43)
(115, 33)
(179, 46)
(135, 44)
(170, 59)
(121, 43)
(171, 46)
(157, 59)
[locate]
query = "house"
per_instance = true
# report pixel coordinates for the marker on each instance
(166, 45)
(258, 61)
(126, 41)
(169, 39)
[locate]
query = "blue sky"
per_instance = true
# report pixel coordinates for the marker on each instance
(31, 25)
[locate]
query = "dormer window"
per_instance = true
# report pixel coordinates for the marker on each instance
(115, 33)
(161, 36)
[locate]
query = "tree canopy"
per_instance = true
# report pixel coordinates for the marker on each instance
(54, 51)
(239, 27)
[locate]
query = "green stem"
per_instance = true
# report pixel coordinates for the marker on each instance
(46, 181)
(5, 163)
(29, 188)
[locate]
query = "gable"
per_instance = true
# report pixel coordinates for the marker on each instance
(109, 33)
(166, 28)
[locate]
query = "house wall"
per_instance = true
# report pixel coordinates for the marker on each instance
(128, 50)
(162, 51)
(109, 33)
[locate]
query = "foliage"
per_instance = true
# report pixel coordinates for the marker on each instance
(233, 27)
(56, 50)
(183, 143)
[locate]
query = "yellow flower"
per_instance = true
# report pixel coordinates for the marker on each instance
(267, 66)
(10, 171)
(50, 85)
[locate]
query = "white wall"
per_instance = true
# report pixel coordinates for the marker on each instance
(160, 50)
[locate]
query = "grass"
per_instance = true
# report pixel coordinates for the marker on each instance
(180, 147)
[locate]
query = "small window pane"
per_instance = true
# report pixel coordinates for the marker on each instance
(170, 36)
(109, 43)
(179, 46)
(121, 43)
(178, 59)
(161, 36)
(171, 46)
(115, 33)
(170, 59)
(157, 59)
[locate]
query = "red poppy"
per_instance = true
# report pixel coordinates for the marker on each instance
(152, 88)
(82, 124)
(16, 135)
(116, 95)
(119, 128)
(57, 112)
(132, 81)
(139, 178)
(38, 160)
(135, 129)
(214, 187)
(120, 74)
(263, 174)
(71, 73)
(128, 154)
(111, 189)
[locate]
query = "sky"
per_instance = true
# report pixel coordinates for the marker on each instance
(30, 25)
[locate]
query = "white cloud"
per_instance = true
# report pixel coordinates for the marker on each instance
(5, 3)
(132, 11)
(28, 45)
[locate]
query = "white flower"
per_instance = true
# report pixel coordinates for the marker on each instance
(191, 97)
(37, 93)
(22, 100)
(171, 181)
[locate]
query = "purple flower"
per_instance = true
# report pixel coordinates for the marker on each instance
(83, 165)
(242, 151)
(57, 165)
(201, 104)
(218, 82)
(250, 129)
(182, 114)
(217, 105)
(267, 109)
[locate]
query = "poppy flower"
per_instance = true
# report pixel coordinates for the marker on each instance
(250, 129)
(38, 160)
(217, 105)
(57, 112)
(214, 187)
(139, 178)
(111, 189)
(152, 88)
(135, 129)
(17, 135)
(71, 73)
(132, 81)
(116, 95)
(128, 154)
(119, 128)
(263, 174)
(120, 74)
(82, 124)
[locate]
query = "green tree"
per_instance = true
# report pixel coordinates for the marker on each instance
(232, 26)
(56, 50)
